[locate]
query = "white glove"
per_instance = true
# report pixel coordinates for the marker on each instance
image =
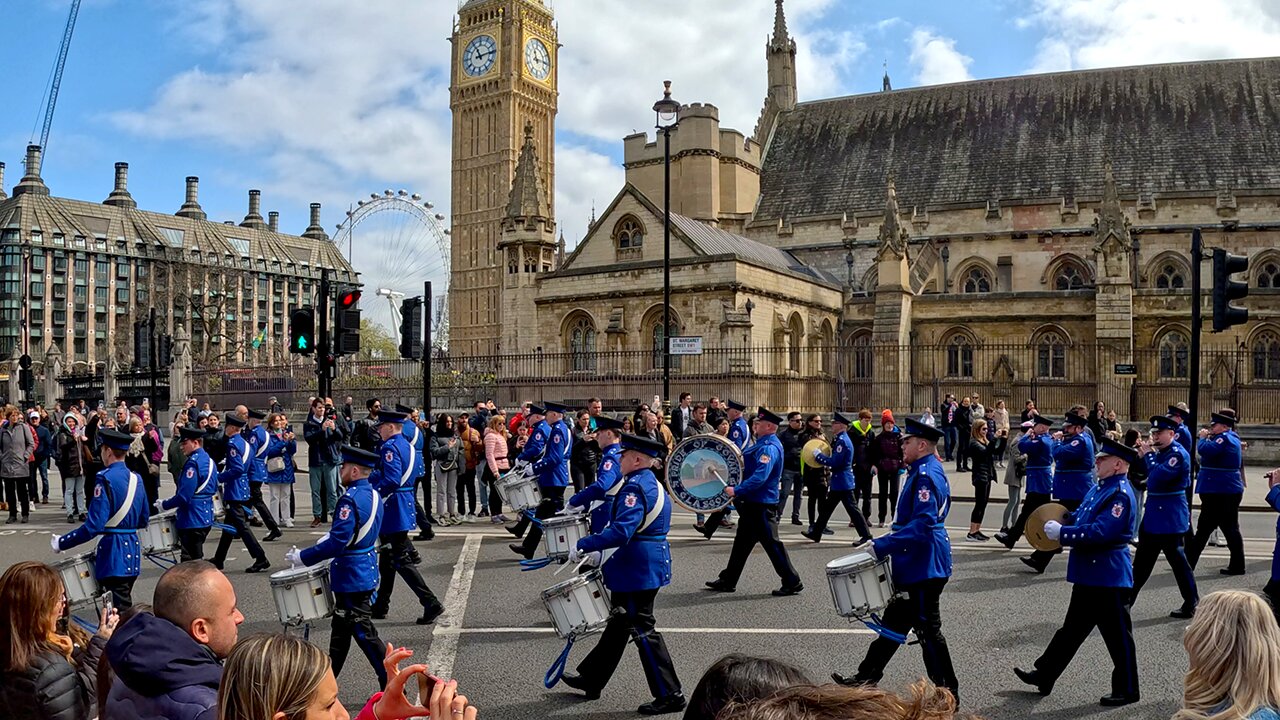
(526, 470)
(322, 538)
(569, 510)
(520, 466)
(158, 506)
(294, 557)
(591, 559)
(575, 555)
(1053, 530)
(870, 549)
(55, 542)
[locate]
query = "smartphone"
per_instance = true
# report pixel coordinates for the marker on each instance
(426, 684)
(108, 604)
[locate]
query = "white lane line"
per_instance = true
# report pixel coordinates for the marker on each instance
(444, 639)
(679, 631)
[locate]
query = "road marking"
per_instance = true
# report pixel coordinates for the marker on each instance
(681, 631)
(444, 639)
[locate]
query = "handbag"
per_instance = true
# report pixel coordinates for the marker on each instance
(275, 464)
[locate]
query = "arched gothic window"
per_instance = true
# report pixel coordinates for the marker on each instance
(1051, 355)
(1173, 355)
(976, 280)
(1069, 277)
(861, 352)
(1170, 277)
(959, 356)
(659, 343)
(1266, 356)
(582, 345)
(795, 335)
(1269, 275)
(628, 233)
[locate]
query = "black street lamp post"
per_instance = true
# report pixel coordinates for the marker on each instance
(668, 117)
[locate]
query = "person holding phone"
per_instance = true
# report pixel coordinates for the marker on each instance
(282, 444)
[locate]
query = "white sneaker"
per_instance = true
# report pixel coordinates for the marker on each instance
(1216, 539)
(288, 523)
(470, 518)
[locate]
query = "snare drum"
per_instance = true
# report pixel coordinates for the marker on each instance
(518, 491)
(578, 606)
(302, 594)
(160, 535)
(562, 533)
(860, 585)
(78, 580)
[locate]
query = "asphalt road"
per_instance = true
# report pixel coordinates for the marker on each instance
(496, 637)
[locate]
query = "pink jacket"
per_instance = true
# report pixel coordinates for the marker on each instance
(495, 452)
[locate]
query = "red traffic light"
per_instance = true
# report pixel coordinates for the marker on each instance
(348, 299)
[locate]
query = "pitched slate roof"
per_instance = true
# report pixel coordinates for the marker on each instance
(1186, 126)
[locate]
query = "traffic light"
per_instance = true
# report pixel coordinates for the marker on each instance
(26, 380)
(347, 322)
(1225, 289)
(164, 350)
(302, 331)
(411, 328)
(24, 362)
(141, 344)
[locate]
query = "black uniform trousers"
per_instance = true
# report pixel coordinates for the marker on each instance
(918, 608)
(1150, 545)
(1106, 608)
(235, 517)
(1219, 511)
(121, 589)
(1042, 557)
(552, 502)
(353, 617)
(395, 556)
(260, 506)
(191, 543)
(829, 504)
(1272, 591)
(758, 524)
(632, 620)
(1032, 501)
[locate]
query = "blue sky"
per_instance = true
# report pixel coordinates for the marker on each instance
(328, 100)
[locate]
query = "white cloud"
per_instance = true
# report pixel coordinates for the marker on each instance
(936, 59)
(583, 178)
(1111, 33)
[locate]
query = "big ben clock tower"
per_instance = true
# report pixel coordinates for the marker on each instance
(503, 78)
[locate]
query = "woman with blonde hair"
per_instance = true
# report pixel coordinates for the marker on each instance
(278, 677)
(982, 453)
(495, 464)
(836, 702)
(1233, 646)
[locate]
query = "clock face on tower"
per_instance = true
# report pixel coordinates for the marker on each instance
(479, 56)
(537, 59)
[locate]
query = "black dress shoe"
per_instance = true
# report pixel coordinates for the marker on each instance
(1002, 537)
(1032, 678)
(378, 614)
(512, 529)
(424, 536)
(663, 705)
(846, 680)
(1224, 571)
(216, 563)
(272, 536)
(258, 566)
(1183, 613)
(809, 535)
(578, 683)
(1031, 563)
(720, 586)
(1116, 700)
(861, 541)
(787, 591)
(795, 520)
(429, 614)
(518, 549)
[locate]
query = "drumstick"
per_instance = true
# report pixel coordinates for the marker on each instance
(717, 474)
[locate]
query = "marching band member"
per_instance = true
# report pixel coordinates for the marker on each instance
(194, 499)
(117, 511)
(352, 545)
(1098, 532)
(1221, 487)
(608, 475)
(640, 518)
(739, 435)
(1163, 525)
(417, 441)
(1037, 445)
(393, 479)
(921, 565)
(256, 435)
(757, 498)
(1073, 459)
(841, 463)
(552, 470)
(536, 444)
(236, 497)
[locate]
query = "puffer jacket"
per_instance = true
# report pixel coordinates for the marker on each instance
(69, 459)
(886, 452)
(161, 673)
(16, 445)
(52, 688)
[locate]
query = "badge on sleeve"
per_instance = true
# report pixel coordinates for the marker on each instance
(97, 491)
(1173, 461)
(389, 456)
(345, 512)
(191, 472)
(1219, 441)
(923, 494)
(608, 465)
(1117, 510)
(630, 501)
(1074, 443)
(555, 439)
(764, 459)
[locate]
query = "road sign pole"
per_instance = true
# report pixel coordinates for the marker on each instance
(1193, 396)
(426, 351)
(323, 381)
(153, 363)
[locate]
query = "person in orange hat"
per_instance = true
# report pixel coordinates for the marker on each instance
(886, 455)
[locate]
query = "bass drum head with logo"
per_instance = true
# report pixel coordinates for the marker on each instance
(699, 470)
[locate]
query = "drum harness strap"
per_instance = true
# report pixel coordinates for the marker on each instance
(112, 523)
(364, 530)
(556, 671)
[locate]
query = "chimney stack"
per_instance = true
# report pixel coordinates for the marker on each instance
(315, 230)
(273, 221)
(120, 196)
(31, 181)
(2, 192)
(191, 208)
(254, 218)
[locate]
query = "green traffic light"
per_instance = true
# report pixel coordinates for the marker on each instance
(302, 343)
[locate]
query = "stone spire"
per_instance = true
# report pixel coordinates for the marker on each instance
(885, 85)
(780, 52)
(528, 198)
(560, 250)
(893, 237)
(781, 39)
(1111, 228)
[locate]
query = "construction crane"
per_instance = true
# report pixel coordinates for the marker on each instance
(393, 297)
(57, 75)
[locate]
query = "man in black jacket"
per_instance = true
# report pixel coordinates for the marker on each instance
(791, 446)
(364, 434)
(681, 415)
(324, 455)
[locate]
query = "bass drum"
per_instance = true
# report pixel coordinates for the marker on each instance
(699, 470)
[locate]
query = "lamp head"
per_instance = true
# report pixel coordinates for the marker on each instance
(667, 109)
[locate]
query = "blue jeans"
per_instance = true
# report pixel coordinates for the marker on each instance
(324, 481)
(43, 468)
(951, 436)
(790, 480)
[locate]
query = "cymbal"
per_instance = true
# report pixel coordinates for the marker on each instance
(811, 449)
(1036, 523)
